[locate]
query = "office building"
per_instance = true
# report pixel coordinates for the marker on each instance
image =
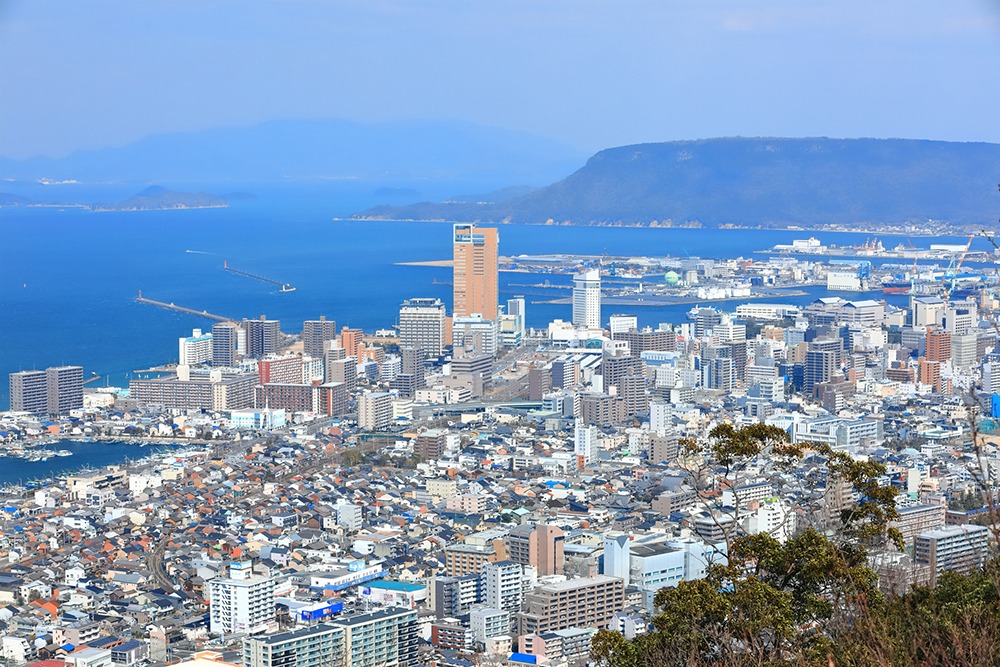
(648, 340)
(263, 337)
(618, 324)
(29, 392)
(706, 320)
(820, 367)
(375, 410)
(315, 333)
(475, 253)
(959, 549)
(587, 602)
(516, 308)
(195, 350)
(938, 346)
(502, 585)
(510, 330)
(243, 603)
(63, 389)
(537, 545)
(963, 350)
(225, 337)
(991, 378)
(476, 334)
(587, 299)
(422, 325)
(387, 638)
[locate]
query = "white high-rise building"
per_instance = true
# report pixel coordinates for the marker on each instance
(585, 443)
(991, 377)
(243, 603)
(474, 332)
(374, 410)
(623, 323)
(617, 557)
(195, 349)
(660, 414)
(587, 299)
(515, 306)
(422, 324)
(502, 583)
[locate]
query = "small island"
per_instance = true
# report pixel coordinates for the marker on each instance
(158, 198)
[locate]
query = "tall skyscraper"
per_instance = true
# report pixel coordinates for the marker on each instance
(422, 324)
(476, 271)
(315, 333)
(224, 338)
(587, 299)
(262, 336)
(64, 388)
(28, 391)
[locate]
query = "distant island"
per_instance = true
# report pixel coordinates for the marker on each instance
(901, 185)
(157, 198)
(153, 198)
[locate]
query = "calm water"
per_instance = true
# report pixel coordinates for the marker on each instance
(19, 471)
(68, 278)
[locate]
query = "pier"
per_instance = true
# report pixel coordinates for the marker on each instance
(285, 287)
(180, 309)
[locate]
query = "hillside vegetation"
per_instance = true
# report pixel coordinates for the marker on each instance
(753, 182)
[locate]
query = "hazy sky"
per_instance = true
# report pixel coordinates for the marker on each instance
(592, 74)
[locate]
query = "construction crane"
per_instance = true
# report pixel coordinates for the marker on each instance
(953, 267)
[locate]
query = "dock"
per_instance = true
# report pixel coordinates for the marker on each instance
(181, 309)
(285, 287)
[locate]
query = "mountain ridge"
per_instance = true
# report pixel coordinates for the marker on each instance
(315, 150)
(753, 181)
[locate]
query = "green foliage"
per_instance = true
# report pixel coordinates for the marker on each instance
(768, 600)
(970, 500)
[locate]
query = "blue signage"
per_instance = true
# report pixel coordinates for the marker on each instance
(328, 610)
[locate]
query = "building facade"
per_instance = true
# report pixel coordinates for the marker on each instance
(475, 253)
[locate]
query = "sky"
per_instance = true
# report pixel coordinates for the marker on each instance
(96, 74)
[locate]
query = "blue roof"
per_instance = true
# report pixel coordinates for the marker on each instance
(396, 586)
(524, 657)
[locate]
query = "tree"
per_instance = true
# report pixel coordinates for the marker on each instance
(766, 599)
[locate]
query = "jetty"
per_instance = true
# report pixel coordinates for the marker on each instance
(181, 309)
(285, 287)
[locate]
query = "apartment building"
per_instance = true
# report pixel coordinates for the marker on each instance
(578, 603)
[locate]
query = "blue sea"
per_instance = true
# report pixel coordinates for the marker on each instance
(69, 277)
(84, 454)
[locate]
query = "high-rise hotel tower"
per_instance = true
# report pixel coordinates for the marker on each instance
(475, 273)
